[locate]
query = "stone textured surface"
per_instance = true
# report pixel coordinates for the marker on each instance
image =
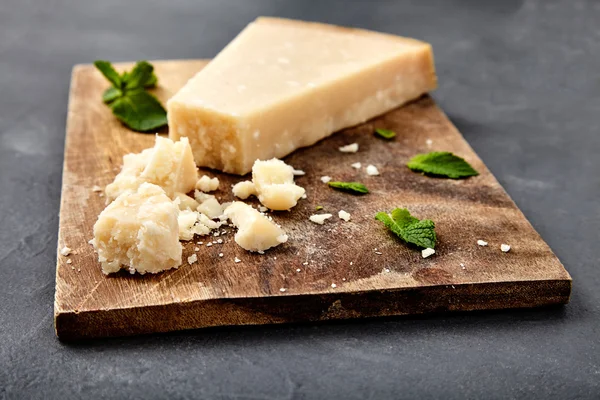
(519, 79)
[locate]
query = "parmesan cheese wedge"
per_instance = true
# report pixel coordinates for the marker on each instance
(284, 84)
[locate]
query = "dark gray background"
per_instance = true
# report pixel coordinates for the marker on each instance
(519, 78)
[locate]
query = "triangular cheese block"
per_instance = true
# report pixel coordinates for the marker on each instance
(284, 84)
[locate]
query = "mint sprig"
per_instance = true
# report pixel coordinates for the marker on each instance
(409, 228)
(128, 99)
(350, 187)
(442, 163)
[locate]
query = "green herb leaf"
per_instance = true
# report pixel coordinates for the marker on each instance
(385, 133)
(350, 187)
(111, 94)
(442, 164)
(409, 228)
(109, 72)
(139, 110)
(151, 82)
(318, 208)
(139, 76)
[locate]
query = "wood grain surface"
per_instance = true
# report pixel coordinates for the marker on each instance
(373, 272)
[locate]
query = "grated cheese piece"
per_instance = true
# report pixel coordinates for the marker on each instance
(207, 184)
(65, 251)
(192, 259)
(319, 218)
(482, 242)
(325, 179)
(349, 148)
(344, 215)
(356, 165)
(505, 248)
(372, 170)
(427, 252)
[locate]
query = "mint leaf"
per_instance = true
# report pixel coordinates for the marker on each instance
(140, 111)
(409, 228)
(317, 208)
(111, 94)
(442, 163)
(385, 133)
(151, 82)
(139, 76)
(350, 187)
(106, 68)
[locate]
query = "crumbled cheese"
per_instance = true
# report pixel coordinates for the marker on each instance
(349, 148)
(185, 202)
(190, 224)
(429, 142)
(220, 254)
(378, 253)
(298, 270)
(387, 270)
(168, 164)
(244, 189)
(356, 165)
(305, 263)
(206, 184)
(482, 242)
(96, 188)
(325, 179)
(282, 290)
(298, 172)
(255, 232)
(262, 209)
(139, 231)
(69, 261)
(236, 260)
(427, 252)
(200, 242)
(372, 170)
(65, 251)
(211, 208)
(274, 183)
(303, 196)
(344, 215)
(216, 234)
(319, 218)
(219, 241)
(505, 247)
(196, 248)
(209, 244)
(192, 259)
(333, 285)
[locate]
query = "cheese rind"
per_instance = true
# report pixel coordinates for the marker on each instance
(283, 84)
(255, 231)
(168, 164)
(138, 231)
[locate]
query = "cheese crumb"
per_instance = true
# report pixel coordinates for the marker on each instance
(344, 215)
(356, 165)
(372, 170)
(219, 241)
(220, 254)
(263, 209)
(305, 263)
(333, 285)
(298, 270)
(429, 142)
(206, 184)
(255, 232)
(185, 202)
(69, 261)
(282, 290)
(298, 172)
(482, 242)
(325, 179)
(236, 260)
(192, 259)
(196, 248)
(244, 189)
(96, 188)
(65, 251)
(349, 148)
(209, 244)
(274, 183)
(505, 247)
(319, 218)
(427, 252)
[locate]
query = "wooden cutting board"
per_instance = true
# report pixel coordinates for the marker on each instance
(331, 271)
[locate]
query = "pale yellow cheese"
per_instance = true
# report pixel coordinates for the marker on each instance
(255, 231)
(168, 164)
(274, 183)
(284, 84)
(138, 231)
(185, 202)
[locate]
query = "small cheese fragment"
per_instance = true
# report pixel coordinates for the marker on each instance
(344, 215)
(244, 189)
(482, 243)
(505, 248)
(325, 179)
(185, 202)
(356, 165)
(283, 84)
(206, 184)
(190, 224)
(168, 164)
(255, 231)
(427, 252)
(372, 170)
(192, 259)
(349, 148)
(319, 218)
(65, 251)
(138, 231)
(211, 208)
(298, 172)
(274, 183)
